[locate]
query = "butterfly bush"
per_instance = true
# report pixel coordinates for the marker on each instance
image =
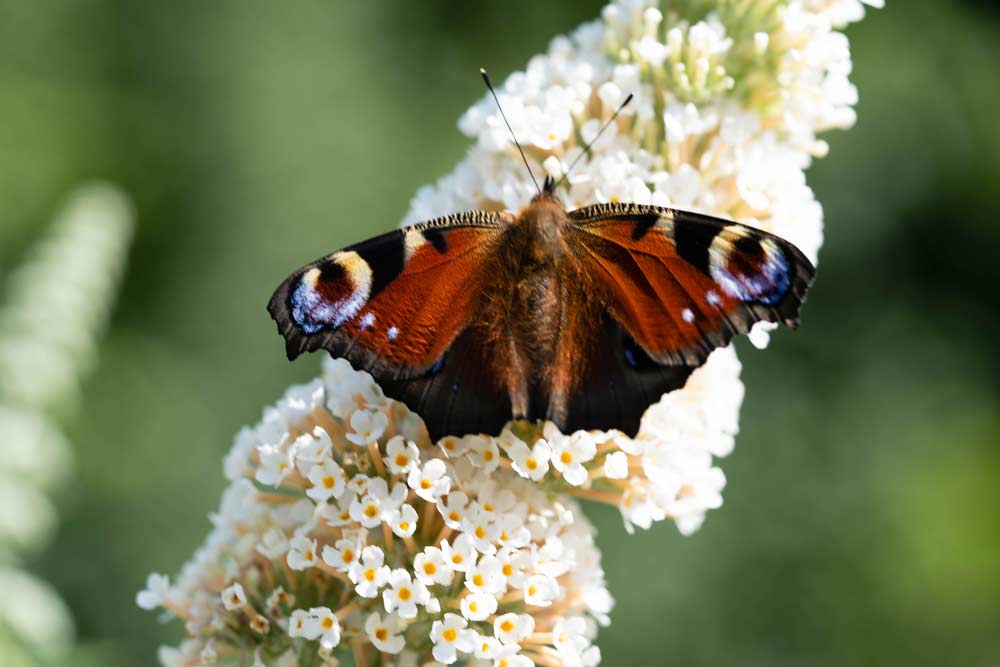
(346, 532)
(730, 97)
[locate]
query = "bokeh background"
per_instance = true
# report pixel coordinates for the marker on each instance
(862, 515)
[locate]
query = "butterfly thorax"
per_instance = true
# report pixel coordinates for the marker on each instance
(532, 307)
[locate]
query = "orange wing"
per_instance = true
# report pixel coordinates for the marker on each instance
(392, 304)
(683, 284)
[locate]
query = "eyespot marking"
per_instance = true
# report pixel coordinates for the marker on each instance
(749, 268)
(331, 293)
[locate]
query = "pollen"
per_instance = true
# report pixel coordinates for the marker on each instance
(531, 464)
(566, 458)
(402, 460)
(371, 511)
(370, 574)
(488, 455)
(425, 484)
(507, 570)
(327, 622)
(430, 569)
(404, 526)
(449, 635)
(381, 634)
(480, 532)
(310, 555)
(507, 626)
(328, 481)
(404, 594)
(454, 516)
(456, 559)
(348, 556)
(478, 579)
(488, 507)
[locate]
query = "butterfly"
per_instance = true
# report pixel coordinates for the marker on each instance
(582, 317)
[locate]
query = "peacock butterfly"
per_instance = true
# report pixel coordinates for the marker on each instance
(581, 317)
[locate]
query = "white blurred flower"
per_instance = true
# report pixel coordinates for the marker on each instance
(156, 592)
(53, 310)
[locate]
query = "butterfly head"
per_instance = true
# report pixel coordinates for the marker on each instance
(549, 188)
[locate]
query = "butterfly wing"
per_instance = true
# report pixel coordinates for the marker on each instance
(391, 305)
(682, 284)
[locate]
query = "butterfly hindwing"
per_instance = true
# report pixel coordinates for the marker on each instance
(393, 304)
(683, 284)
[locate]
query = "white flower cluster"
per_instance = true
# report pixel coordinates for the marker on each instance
(729, 99)
(346, 532)
(56, 304)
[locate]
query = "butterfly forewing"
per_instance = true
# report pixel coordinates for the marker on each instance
(392, 304)
(683, 284)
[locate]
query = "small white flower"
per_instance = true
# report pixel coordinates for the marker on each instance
(275, 464)
(512, 566)
(485, 576)
(484, 530)
(487, 648)
(432, 568)
(157, 590)
(234, 597)
(478, 606)
(616, 465)
(378, 503)
(430, 481)
(366, 427)
(273, 544)
(327, 480)
(369, 574)
(338, 514)
(453, 509)
(532, 463)
(483, 453)
(451, 636)
(312, 448)
(301, 553)
(343, 554)
(404, 595)
(385, 633)
(403, 521)
(453, 446)
(326, 625)
(569, 635)
(402, 455)
(303, 624)
(569, 455)
(513, 628)
(539, 590)
(460, 554)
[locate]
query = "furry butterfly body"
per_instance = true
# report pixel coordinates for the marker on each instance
(582, 317)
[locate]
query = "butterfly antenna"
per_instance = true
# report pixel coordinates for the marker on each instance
(586, 149)
(489, 84)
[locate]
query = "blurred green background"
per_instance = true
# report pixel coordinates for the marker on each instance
(862, 515)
